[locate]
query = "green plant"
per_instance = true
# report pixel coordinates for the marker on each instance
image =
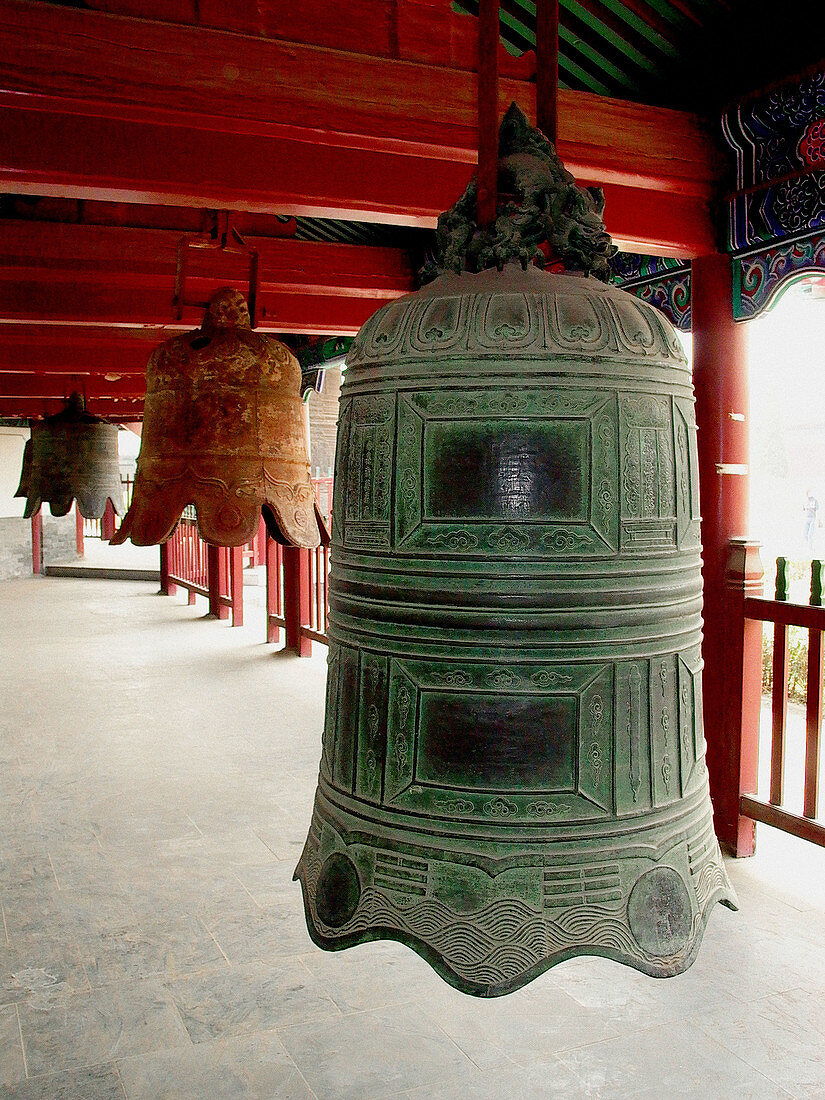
(797, 662)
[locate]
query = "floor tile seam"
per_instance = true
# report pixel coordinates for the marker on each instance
(267, 846)
(22, 1042)
(462, 1051)
(121, 1082)
(740, 1057)
(753, 1002)
(179, 1015)
(622, 1034)
(51, 864)
(298, 1070)
(249, 892)
(214, 940)
(326, 994)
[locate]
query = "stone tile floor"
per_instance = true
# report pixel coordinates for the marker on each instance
(157, 771)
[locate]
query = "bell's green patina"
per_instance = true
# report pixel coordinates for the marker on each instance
(513, 763)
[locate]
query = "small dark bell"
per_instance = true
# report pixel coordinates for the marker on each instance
(71, 456)
(223, 430)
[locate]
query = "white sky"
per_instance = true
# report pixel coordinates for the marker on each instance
(786, 359)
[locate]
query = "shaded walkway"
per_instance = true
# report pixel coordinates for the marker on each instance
(156, 777)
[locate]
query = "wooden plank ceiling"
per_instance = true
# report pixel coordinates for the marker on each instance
(123, 121)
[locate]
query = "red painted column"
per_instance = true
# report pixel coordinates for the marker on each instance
(260, 545)
(107, 523)
(235, 555)
(547, 66)
(738, 753)
(37, 542)
(273, 589)
(78, 531)
(488, 43)
(166, 586)
(216, 569)
(720, 380)
(297, 597)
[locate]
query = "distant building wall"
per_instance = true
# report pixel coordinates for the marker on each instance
(16, 543)
(323, 418)
(12, 442)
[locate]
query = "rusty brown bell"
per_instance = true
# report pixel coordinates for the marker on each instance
(223, 430)
(71, 456)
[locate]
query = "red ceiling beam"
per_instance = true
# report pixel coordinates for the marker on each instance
(19, 384)
(75, 349)
(119, 410)
(113, 275)
(107, 107)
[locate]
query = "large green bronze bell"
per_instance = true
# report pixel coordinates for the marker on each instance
(513, 762)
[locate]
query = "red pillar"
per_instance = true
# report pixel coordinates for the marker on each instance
(259, 544)
(738, 751)
(488, 120)
(274, 564)
(235, 555)
(78, 531)
(216, 568)
(166, 586)
(297, 598)
(720, 379)
(107, 523)
(37, 542)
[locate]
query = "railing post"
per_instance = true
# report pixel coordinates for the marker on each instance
(216, 581)
(259, 544)
(37, 542)
(741, 699)
(166, 586)
(813, 705)
(779, 692)
(78, 531)
(107, 524)
(273, 590)
(297, 598)
(235, 555)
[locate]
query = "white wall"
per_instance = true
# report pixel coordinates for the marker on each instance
(12, 441)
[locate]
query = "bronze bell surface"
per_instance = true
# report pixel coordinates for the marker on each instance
(513, 763)
(223, 430)
(71, 456)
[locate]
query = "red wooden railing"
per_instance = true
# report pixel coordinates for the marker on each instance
(104, 527)
(275, 620)
(297, 587)
(314, 621)
(216, 572)
(810, 617)
(323, 495)
(297, 596)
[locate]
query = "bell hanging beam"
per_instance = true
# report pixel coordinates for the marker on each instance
(513, 764)
(223, 430)
(547, 68)
(71, 456)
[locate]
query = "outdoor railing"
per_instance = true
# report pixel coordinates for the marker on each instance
(297, 596)
(297, 586)
(811, 618)
(104, 527)
(215, 572)
(297, 580)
